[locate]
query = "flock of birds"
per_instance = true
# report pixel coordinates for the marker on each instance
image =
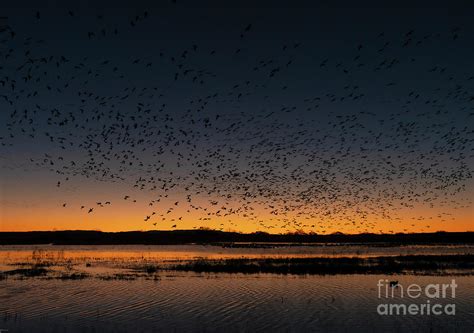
(211, 159)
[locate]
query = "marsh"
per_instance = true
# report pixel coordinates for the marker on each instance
(158, 289)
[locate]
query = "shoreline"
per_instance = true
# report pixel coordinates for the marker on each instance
(435, 265)
(215, 237)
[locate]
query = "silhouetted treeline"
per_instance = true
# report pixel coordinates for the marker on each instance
(216, 237)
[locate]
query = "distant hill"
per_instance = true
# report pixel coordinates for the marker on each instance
(84, 237)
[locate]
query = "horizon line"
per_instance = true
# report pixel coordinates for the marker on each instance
(244, 233)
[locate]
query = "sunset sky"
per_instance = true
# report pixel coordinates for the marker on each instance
(235, 116)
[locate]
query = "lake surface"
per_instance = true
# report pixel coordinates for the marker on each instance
(252, 250)
(204, 302)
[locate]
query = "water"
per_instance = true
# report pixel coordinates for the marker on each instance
(92, 252)
(185, 302)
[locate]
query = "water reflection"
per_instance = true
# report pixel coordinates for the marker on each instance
(22, 252)
(206, 302)
(124, 300)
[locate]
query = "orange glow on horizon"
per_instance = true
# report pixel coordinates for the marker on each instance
(35, 206)
(122, 218)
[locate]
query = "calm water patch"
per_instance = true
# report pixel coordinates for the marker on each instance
(218, 302)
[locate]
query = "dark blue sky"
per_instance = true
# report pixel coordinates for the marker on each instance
(303, 111)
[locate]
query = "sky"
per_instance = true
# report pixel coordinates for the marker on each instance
(272, 116)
